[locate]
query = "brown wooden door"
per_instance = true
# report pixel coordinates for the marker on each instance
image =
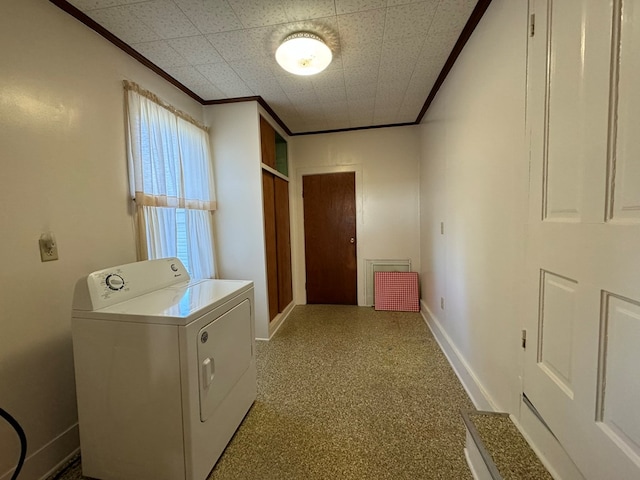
(283, 242)
(330, 238)
(269, 205)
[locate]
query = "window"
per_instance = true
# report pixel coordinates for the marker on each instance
(171, 182)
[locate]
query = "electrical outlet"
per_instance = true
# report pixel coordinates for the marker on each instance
(48, 247)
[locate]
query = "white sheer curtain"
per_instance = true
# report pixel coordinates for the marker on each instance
(171, 181)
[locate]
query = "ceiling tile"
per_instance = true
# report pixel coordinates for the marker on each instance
(161, 53)
(402, 117)
(366, 28)
(256, 72)
(335, 110)
(280, 102)
(304, 10)
(350, 6)
(412, 107)
(210, 16)
(287, 114)
(335, 107)
(332, 95)
(457, 8)
(120, 22)
(360, 91)
(305, 97)
(223, 77)
(187, 75)
(209, 92)
(196, 50)
(412, 20)
(165, 18)
(426, 67)
(85, 5)
(360, 119)
(328, 80)
(360, 75)
(409, 114)
(394, 3)
(361, 56)
(312, 126)
(259, 14)
(404, 50)
(388, 98)
(385, 116)
(341, 124)
(365, 106)
(292, 83)
(242, 44)
(236, 90)
(451, 17)
(398, 79)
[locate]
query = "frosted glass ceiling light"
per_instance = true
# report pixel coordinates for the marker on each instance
(303, 53)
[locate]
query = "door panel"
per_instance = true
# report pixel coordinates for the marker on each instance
(582, 286)
(283, 240)
(269, 205)
(330, 234)
(624, 188)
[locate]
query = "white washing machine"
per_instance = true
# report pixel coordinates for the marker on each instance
(165, 369)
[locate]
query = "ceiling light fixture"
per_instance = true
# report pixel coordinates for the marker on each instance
(303, 53)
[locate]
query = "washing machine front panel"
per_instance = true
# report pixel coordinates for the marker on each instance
(224, 355)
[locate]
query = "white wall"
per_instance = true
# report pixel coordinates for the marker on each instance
(238, 222)
(63, 169)
(474, 178)
(387, 166)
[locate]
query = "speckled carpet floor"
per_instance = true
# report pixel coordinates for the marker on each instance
(348, 393)
(511, 454)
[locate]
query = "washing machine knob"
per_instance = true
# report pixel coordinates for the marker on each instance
(115, 282)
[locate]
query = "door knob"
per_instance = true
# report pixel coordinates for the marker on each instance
(352, 240)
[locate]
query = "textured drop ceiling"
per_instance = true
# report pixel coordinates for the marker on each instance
(387, 53)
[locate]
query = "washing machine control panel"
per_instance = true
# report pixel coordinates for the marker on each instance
(118, 284)
(114, 282)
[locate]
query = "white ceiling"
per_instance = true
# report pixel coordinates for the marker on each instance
(387, 53)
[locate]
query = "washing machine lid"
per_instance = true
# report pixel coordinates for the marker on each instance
(178, 304)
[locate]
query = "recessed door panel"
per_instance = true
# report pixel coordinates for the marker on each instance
(619, 383)
(555, 328)
(224, 354)
(624, 170)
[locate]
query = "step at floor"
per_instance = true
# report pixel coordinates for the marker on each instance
(497, 450)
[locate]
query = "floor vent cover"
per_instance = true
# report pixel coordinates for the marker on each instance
(371, 266)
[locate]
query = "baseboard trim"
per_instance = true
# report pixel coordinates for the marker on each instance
(471, 464)
(277, 322)
(478, 394)
(545, 445)
(47, 459)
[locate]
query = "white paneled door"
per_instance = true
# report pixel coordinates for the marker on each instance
(582, 288)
